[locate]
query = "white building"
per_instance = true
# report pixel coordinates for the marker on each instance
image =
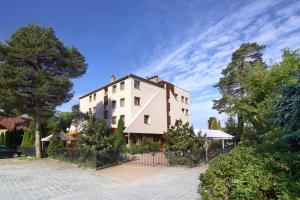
(147, 106)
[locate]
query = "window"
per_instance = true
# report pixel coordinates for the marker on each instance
(105, 114)
(114, 104)
(105, 91)
(90, 110)
(146, 119)
(182, 99)
(114, 89)
(176, 96)
(186, 100)
(94, 109)
(90, 98)
(122, 102)
(122, 117)
(137, 101)
(122, 85)
(95, 96)
(114, 120)
(182, 110)
(137, 84)
(187, 112)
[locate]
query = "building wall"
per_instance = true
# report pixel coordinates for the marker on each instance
(176, 106)
(153, 102)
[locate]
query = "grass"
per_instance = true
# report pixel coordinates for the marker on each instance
(27, 158)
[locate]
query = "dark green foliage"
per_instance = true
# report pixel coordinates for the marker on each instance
(120, 142)
(232, 128)
(13, 138)
(145, 147)
(266, 171)
(2, 139)
(268, 167)
(97, 139)
(28, 138)
(40, 69)
(55, 145)
(231, 83)
(214, 124)
(183, 146)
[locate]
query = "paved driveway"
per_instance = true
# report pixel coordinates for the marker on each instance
(49, 179)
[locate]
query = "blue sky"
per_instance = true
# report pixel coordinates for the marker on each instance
(184, 42)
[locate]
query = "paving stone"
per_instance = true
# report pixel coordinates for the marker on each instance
(49, 179)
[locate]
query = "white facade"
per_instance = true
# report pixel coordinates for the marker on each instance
(142, 102)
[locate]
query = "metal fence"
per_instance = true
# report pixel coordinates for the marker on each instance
(162, 158)
(26, 151)
(152, 159)
(90, 159)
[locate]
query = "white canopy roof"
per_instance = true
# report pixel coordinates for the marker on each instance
(214, 134)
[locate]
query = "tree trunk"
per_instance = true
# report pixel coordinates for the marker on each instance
(240, 127)
(37, 138)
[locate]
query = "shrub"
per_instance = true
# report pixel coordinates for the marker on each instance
(55, 144)
(144, 147)
(28, 137)
(2, 138)
(183, 146)
(264, 172)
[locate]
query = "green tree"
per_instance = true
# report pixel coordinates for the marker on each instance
(28, 137)
(56, 143)
(120, 142)
(2, 138)
(230, 84)
(231, 127)
(182, 145)
(40, 69)
(96, 138)
(214, 124)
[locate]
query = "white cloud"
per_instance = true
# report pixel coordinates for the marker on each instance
(195, 64)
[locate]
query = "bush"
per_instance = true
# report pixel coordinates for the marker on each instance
(252, 173)
(183, 146)
(55, 144)
(144, 147)
(28, 137)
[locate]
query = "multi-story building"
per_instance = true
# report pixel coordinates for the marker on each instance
(147, 106)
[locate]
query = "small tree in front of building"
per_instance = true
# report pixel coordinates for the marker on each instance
(183, 146)
(97, 144)
(120, 142)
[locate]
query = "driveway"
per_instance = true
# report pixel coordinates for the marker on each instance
(50, 179)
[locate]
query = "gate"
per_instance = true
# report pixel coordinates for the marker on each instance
(151, 159)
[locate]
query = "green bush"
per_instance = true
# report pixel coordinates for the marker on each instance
(248, 173)
(144, 147)
(2, 138)
(28, 137)
(183, 146)
(55, 145)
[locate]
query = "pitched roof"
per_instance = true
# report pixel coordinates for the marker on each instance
(13, 122)
(119, 80)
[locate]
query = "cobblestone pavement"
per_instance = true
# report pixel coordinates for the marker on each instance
(49, 179)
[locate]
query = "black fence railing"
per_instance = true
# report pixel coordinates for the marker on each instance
(26, 151)
(89, 159)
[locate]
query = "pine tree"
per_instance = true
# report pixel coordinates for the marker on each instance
(40, 69)
(120, 142)
(230, 84)
(213, 123)
(2, 139)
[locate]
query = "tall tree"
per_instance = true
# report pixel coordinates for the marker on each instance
(230, 84)
(40, 69)
(213, 123)
(231, 127)
(120, 142)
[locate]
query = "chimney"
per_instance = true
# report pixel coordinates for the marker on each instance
(112, 78)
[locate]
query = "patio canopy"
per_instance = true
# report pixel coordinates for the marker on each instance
(214, 134)
(62, 135)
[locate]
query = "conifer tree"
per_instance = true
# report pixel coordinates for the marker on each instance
(40, 69)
